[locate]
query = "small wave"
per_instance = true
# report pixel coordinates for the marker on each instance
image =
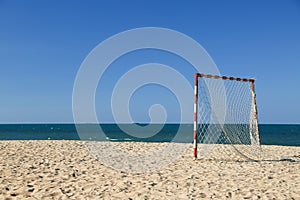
(112, 139)
(115, 139)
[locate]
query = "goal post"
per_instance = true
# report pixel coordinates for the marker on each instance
(225, 113)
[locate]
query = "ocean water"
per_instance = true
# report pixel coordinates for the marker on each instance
(270, 134)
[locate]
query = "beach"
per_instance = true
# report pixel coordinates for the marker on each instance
(61, 169)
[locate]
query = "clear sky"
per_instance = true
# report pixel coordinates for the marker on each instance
(43, 43)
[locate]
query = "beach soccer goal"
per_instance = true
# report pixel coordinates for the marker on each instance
(225, 117)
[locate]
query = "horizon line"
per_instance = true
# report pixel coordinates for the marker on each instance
(16, 123)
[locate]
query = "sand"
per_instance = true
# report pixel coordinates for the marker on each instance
(67, 170)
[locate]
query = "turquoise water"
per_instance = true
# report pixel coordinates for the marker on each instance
(271, 134)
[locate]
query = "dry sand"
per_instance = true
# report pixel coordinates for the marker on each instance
(66, 170)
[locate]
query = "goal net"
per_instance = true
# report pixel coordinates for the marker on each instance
(225, 118)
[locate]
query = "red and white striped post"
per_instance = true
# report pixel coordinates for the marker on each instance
(195, 114)
(255, 110)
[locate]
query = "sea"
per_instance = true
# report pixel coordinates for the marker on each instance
(270, 134)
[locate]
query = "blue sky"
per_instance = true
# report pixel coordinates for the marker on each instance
(43, 43)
